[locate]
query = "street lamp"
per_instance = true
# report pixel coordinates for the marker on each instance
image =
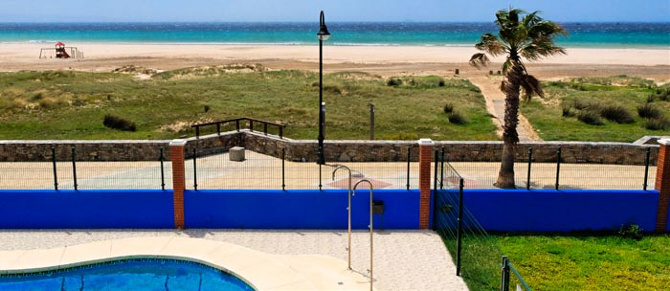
(323, 35)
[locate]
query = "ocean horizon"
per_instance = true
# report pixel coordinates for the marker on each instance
(581, 35)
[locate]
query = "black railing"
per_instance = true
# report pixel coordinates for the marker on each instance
(237, 121)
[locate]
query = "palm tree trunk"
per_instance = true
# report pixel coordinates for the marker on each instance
(510, 136)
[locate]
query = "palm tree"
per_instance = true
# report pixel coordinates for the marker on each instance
(530, 37)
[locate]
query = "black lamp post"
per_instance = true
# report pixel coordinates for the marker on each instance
(323, 35)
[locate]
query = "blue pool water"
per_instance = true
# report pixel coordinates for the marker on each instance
(132, 274)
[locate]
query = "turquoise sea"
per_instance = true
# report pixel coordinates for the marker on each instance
(616, 35)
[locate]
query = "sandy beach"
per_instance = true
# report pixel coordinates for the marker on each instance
(383, 60)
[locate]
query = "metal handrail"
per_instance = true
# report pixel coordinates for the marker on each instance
(237, 125)
(371, 226)
(349, 213)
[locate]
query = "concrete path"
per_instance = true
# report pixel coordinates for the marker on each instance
(495, 104)
(403, 260)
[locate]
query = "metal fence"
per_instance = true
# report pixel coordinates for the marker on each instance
(558, 174)
(75, 174)
(475, 255)
(259, 171)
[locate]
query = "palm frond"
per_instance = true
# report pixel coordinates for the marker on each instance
(506, 66)
(479, 60)
(490, 44)
(531, 86)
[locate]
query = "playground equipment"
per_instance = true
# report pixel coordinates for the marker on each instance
(61, 52)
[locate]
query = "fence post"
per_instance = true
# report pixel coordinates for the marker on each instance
(558, 166)
(504, 276)
(530, 162)
(442, 169)
(178, 181)
(53, 161)
(646, 169)
(425, 161)
(437, 165)
(74, 167)
(162, 159)
(461, 184)
(372, 121)
(663, 185)
(283, 169)
(195, 170)
(409, 151)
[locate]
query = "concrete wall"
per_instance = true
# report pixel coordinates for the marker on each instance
(39, 209)
(336, 151)
(562, 211)
(298, 209)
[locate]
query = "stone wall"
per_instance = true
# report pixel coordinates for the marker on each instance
(336, 151)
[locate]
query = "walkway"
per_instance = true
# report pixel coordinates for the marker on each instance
(495, 104)
(403, 260)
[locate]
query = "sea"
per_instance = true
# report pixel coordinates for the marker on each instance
(585, 35)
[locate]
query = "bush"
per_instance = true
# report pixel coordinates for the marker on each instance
(657, 124)
(457, 118)
(440, 83)
(630, 230)
(590, 117)
(448, 108)
(567, 111)
(119, 123)
(649, 111)
(617, 114)
(394, 82)
(581, 105)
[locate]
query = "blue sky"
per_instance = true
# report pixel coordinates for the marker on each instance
(336, 10)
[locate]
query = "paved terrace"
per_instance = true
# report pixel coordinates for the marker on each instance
(403, 260)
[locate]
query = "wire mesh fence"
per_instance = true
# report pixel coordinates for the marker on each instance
(560, 174)
(475, 254)
(73, 174)
(260, 171)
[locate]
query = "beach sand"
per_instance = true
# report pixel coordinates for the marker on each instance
(382, 60)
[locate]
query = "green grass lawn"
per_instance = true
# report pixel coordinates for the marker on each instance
(72, 105)
(566, 262)
(547, 118)
(589, 262)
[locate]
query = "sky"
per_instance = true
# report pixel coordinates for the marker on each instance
(335, 10)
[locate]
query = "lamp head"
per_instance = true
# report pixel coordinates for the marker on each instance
(323, 33)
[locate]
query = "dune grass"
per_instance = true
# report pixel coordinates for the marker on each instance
(603, 96)
(72, 105)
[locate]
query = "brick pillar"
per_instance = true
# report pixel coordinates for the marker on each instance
(663, 184)
(425, 160)
(178, 181)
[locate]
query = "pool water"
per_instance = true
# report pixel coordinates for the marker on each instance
(129, 274)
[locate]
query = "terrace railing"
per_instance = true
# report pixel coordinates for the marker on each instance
(238, 122)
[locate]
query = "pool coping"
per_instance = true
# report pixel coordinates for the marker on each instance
(260, 270)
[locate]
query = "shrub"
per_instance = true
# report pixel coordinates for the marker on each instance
(617, 114)
(119, 123)
(440, 83)
(36, 97)
(651, 98)
(207, 108)
(649, 111)
(394, 82)
(457, 118)
(657, 124)
(630, 230)
(448, 108)
(590, 117)
(581, 105)
(567, 111)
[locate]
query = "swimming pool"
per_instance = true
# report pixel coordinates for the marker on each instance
(128, 274)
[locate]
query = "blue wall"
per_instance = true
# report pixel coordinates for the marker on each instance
(26, 209)
(562, 211)
(298, 209)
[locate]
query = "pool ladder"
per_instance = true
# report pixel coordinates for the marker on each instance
(352, 192)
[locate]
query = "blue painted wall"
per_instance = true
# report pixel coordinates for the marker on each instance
(298, 209)
(31, 209)
(562, 211)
